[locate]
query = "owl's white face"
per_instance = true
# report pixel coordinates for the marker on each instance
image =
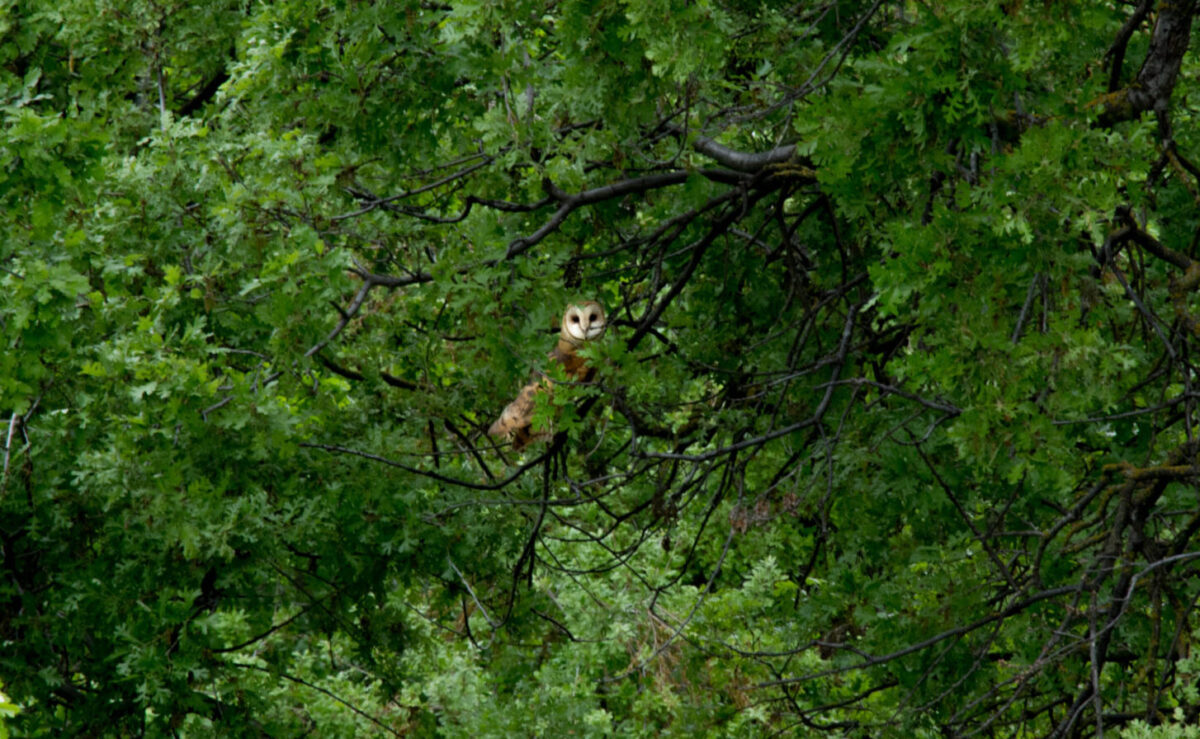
(583, 322)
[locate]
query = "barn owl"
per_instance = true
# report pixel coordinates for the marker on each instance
(581, 323)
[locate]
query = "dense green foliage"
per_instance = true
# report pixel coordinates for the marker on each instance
(891, 433)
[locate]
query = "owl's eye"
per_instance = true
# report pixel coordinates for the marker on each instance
(574, 319)
(593, 317)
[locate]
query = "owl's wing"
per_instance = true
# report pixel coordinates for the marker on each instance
(517, 414)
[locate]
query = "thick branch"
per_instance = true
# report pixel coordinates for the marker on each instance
(1155, 81)
(740, 160)
(204, 94)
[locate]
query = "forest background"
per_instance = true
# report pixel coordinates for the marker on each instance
(893, 431)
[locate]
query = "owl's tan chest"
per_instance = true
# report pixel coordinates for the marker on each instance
(574, 365)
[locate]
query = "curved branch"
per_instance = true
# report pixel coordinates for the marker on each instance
(871, 662)
(377, 202)
(740, 160)
(426, 473)
(611, 191)
(1116, 52)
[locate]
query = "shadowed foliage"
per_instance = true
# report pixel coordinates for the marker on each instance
(891, 432)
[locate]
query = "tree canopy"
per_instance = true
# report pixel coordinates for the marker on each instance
(892, 433)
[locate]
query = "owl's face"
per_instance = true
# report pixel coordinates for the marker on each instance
(583, 322)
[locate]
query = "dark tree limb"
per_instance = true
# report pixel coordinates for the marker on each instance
(1155, 81)
(1116, 52)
